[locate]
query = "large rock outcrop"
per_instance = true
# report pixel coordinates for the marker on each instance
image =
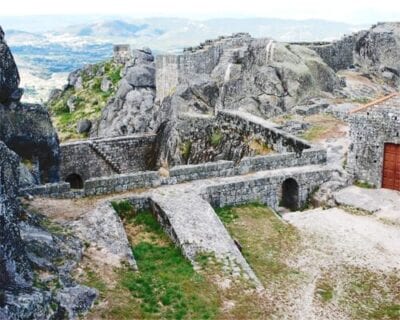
(35, 263)
(132, 109)
(25, 128)
(256, 75)
(14, 266)
(375, 52)
(9, 76)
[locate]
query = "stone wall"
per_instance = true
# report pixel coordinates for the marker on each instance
(167, 75)
(121, 183)
(338, 54)
(369, 131)
(105, 157)
(232, 136)
(284, 160)
(149, 179)
(268, 189)
(248, 125)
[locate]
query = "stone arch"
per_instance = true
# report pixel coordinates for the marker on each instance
(290, 194)
(75, 180)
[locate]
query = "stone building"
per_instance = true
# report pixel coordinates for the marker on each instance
(374, 154)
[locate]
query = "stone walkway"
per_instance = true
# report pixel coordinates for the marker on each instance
(382, 203)
(194, 226)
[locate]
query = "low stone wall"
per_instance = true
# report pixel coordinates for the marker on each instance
(266, 190)
(149, 179)
(104, 157)
(121, 183)
(282, 160)
(50, 190)
(183, 173)
(248, 124)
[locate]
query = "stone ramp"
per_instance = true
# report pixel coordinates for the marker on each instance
(103, 230)
(194, 226)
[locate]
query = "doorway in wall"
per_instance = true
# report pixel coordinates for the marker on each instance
(290, 194)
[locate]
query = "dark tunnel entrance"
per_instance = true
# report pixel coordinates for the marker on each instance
(290, 194)
(75, 180)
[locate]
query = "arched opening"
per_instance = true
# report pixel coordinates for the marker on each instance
(290, 194)
(75, 181)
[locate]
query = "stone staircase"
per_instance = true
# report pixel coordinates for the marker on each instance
(99, 150)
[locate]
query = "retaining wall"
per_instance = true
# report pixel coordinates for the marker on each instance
(104, 157)
(150, 179)
(266, 190)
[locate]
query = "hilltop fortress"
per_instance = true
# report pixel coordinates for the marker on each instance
(217, 125)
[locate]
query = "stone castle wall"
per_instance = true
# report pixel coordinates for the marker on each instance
(369, 131)
(339, 55)
(105, 157)
(150, 179)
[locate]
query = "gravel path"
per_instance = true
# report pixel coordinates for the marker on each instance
(331, 240)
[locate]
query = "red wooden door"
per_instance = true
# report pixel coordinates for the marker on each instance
(391, 167)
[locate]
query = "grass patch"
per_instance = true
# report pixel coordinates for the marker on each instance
(325, 291)
(265, 239)
(123, 208)
(322, 126)
(363, 184)
(259, 147)
(371, 295)
(266, 243)
(166, 286)
(185, 149)
(89, 101)
(216, 138)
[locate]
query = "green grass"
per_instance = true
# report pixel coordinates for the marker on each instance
(314, 133)
(266, 244)
(325, 291)
(265, 239)
(89, 101)
(123, 208)
(166, 286)
(371, 295)
(185, 149)
(363, 184)
(216, 138)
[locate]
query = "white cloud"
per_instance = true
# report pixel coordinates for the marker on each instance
(356, 11)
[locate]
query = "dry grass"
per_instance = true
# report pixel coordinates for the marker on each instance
(323, 127)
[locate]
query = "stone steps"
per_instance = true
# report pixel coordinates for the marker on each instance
(107, 158)
(193, 225)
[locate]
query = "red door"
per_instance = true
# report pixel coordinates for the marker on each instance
(391, 167)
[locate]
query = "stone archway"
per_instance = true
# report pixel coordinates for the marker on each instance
(75, 180)
(290, 194)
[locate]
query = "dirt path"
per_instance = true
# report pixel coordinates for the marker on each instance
(336, 246)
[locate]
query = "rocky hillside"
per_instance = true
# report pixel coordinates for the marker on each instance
(83, 98)
(242, 73)
(238, 72)
(374, 52)
(36, 255)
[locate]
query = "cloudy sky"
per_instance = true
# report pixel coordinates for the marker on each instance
(351, 11)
